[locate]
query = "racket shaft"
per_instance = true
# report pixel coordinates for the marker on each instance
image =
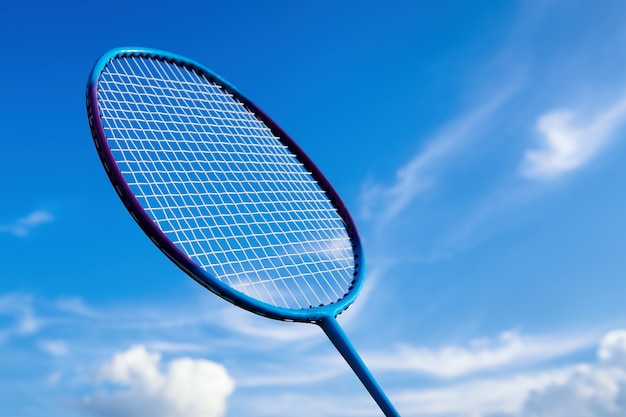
(338, 337)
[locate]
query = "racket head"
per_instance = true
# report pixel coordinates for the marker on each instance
(101, 120)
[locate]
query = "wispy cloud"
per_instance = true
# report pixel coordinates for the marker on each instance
(76, 305)
(23, 226)
(508, 350)
(174, 347)
(312, 370)
(568, 141)
(245, 323)
(325, 404)
(385, 202)
(24, 320)
(479, 397)
(54, 347)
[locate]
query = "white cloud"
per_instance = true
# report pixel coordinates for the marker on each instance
(186, 387)
(23, 226)
(510, 349)
(567, 143)
(613, 348)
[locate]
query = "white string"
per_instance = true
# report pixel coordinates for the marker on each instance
(221, 186)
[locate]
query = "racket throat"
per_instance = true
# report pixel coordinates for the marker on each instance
(338, 338)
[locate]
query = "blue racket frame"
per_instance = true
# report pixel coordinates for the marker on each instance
(324, 316)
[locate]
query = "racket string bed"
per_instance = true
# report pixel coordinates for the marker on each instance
(222, 187)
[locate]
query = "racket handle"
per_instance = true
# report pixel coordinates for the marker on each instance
(338, 337)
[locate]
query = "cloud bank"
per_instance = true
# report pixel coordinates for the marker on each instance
(594, 390)
(590, 389)
(511, 375)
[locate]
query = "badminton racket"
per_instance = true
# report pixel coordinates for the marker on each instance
(226, 194)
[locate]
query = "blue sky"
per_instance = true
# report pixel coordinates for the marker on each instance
(478, 144)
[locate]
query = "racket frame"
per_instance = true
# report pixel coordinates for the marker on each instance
(314, 314)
